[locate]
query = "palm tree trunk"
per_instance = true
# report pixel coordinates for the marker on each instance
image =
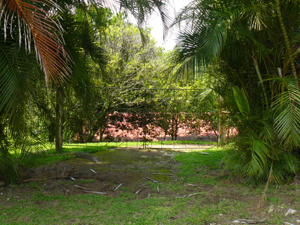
(260, 80)
(286, 41)
(59, 118)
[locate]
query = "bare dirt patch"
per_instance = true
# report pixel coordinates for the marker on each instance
(135, 169)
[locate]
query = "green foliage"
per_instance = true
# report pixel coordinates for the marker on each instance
(253, 163)
(241, 101)
(258, 148)
(8, 168)
(242, 42)
(41, 158)
(287, 112)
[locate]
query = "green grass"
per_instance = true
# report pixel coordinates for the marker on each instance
(215, 204)
(92, 146)
(40, 154)
(95, 209)
(194, 165)
(47, 157)
(85, 181)
(198, 142)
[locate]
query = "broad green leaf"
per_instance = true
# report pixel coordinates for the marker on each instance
(241, 101)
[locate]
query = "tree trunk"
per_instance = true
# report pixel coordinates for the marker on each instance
(59, 118)
(51, 131)
(222, 124)
(102, 130)
(176, 126)
(287, 42)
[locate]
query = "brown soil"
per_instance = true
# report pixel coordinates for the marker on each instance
(135, 169)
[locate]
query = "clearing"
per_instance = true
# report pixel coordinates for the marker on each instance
(144, 186)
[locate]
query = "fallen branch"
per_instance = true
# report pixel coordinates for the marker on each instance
(248, 221)
(118, 186)
(203, 153)
(186, 196)
(138, 191)
(40, 179)
(93, 171)
(166, 174)
(93, 177)
(95, 192)
(63, 177)
(154, 181)
(76, 154)
(192, 185)
(81, 187)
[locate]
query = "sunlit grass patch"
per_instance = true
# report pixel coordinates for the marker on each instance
(184, 142)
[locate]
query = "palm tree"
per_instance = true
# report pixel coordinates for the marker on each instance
(32, 27)
(241, 39)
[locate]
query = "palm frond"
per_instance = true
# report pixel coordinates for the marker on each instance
(287, 111)
(8, 167)
(34, 23)
(14, 74)
(206, 30)
(241, 101)
(259, 158)
(142, 9)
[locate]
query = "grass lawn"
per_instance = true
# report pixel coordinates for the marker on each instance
(192, 188)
